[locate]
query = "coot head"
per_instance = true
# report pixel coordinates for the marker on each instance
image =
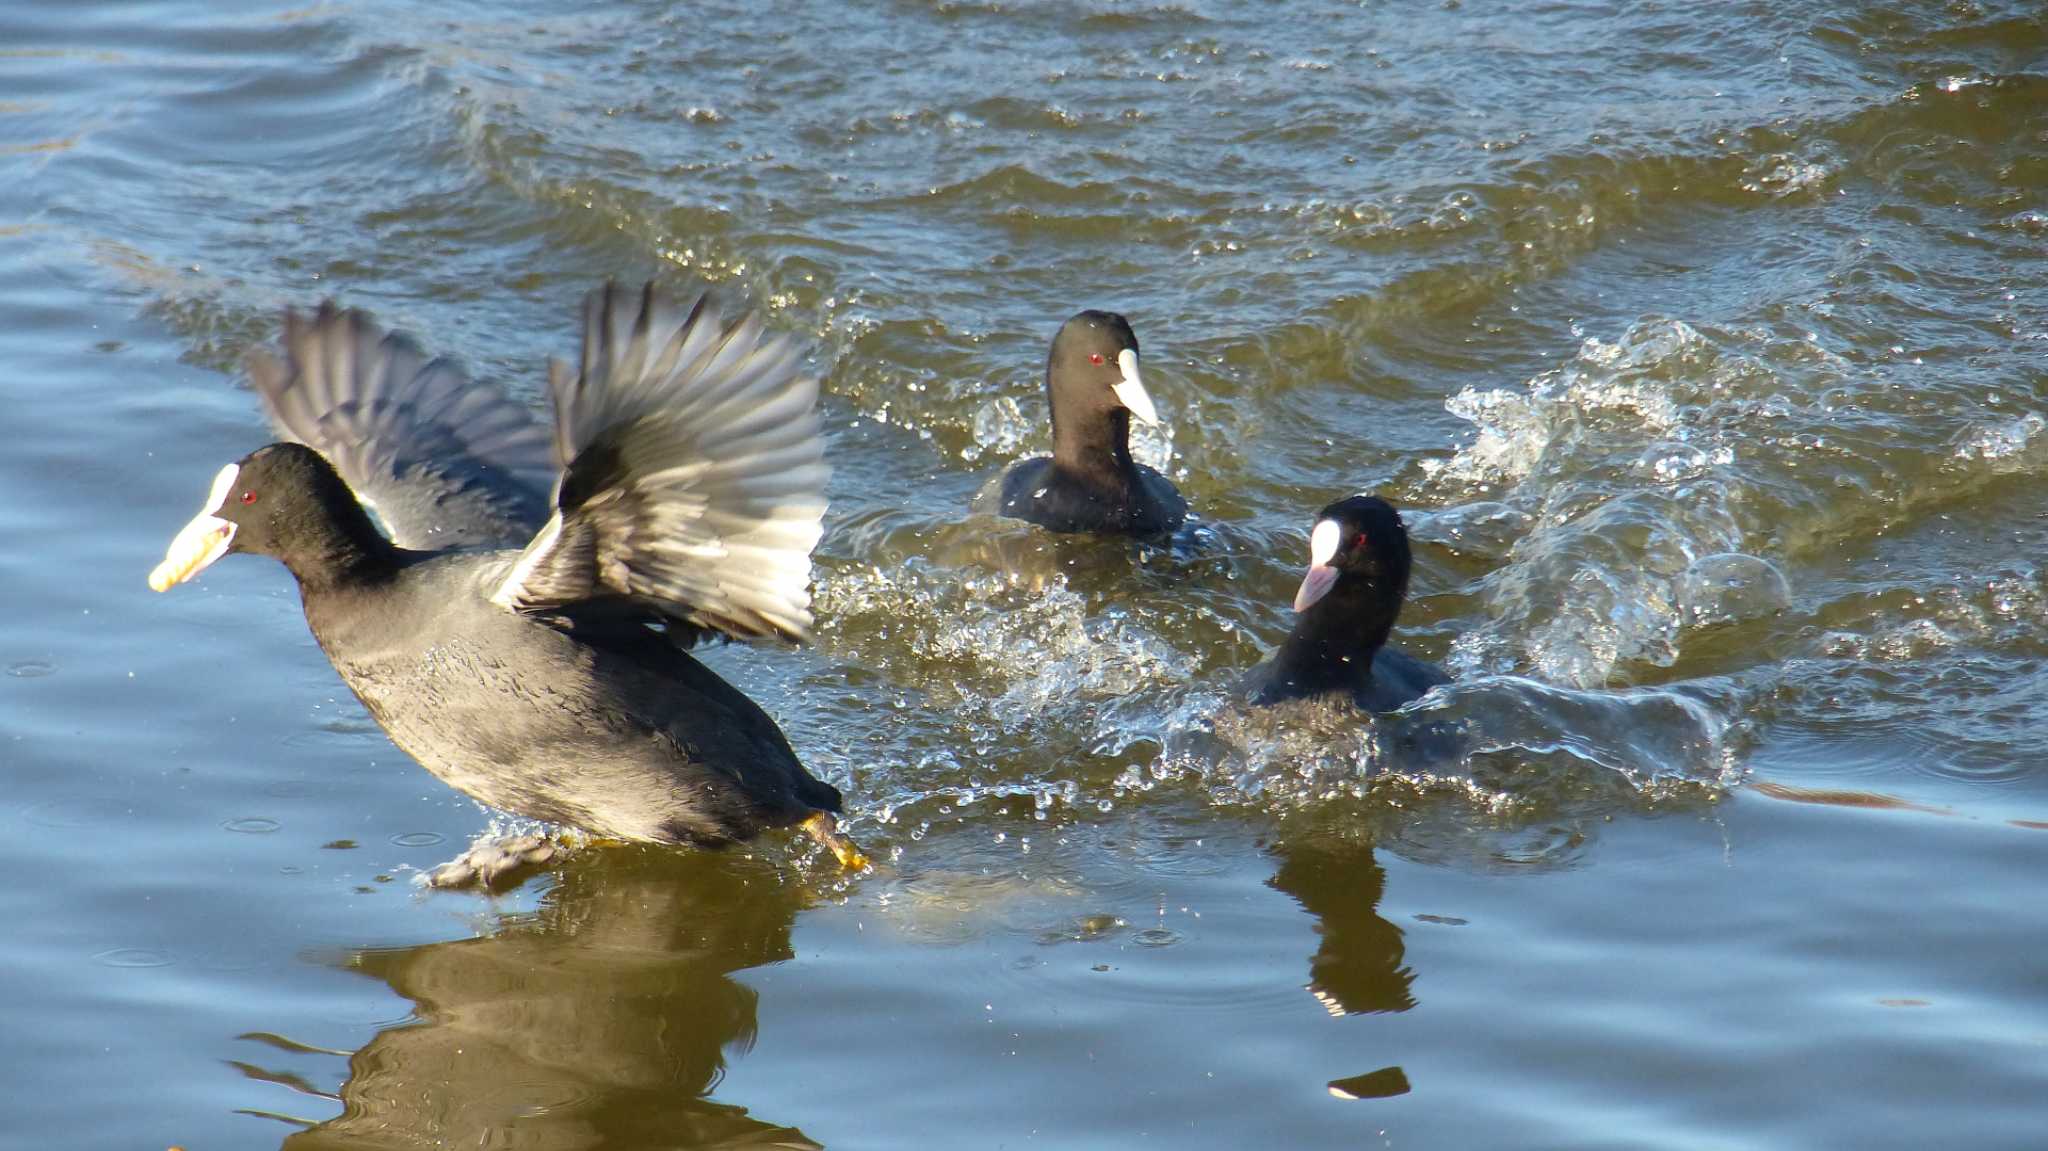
(284, 500)
(1358, 563)
(1092, 373)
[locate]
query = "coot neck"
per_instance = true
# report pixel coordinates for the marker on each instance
(1095, 448)
(339, 549)
(1335, 640)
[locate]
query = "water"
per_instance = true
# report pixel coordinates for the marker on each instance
(1704, 349)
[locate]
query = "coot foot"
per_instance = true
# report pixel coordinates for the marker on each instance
(825, 829)
(490, 861)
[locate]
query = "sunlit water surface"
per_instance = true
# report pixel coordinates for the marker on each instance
(1704, 346)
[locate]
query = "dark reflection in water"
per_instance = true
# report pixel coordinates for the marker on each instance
(604, 1018)
(1357, 966)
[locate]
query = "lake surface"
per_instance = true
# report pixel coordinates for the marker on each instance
(1703, 346)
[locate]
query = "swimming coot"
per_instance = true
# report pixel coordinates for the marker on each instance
(1090, 483)
(531, 648)
(1357, 576)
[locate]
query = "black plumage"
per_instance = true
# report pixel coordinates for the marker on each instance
(1090, 483)
(1358, 575)
(551, 681)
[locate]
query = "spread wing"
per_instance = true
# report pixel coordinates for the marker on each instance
(444, 462)
(693, 473)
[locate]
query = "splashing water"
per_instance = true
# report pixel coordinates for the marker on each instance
(1624, 464)
(1039, 645)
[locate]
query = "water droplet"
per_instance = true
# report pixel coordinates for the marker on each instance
(1157, 937)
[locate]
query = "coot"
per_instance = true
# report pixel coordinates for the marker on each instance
(1090, 483)
(1357, 576)
(523, 632)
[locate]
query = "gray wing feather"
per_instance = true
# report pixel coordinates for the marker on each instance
(693, 473)
(444, 462)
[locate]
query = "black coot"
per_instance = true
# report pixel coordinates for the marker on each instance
(1357, 576)
(1090, 483)
(531, 649)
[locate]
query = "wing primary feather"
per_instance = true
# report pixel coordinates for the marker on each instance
(693, 474)
(446, 462)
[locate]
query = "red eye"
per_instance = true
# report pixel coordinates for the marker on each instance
(1095, 357)
(248, 497)
(1358, 541)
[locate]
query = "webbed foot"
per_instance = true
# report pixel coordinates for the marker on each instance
(822, 827)
(489, 862)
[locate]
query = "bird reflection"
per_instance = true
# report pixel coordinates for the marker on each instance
(604, 1018)
(1357, 967)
